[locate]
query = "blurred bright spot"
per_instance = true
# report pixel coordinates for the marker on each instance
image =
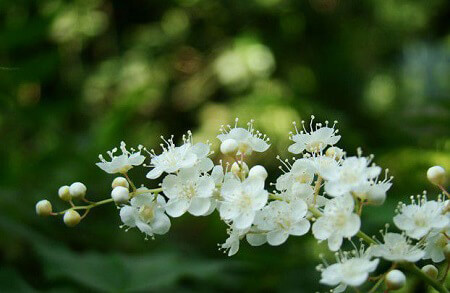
(268, 3)
(75, 23)
(402, 14)
(175, 22)
(243, 63)
(380, 93)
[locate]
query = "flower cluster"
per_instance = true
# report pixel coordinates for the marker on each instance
(321, 189)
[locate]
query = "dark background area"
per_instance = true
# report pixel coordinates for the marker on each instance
(77, 77)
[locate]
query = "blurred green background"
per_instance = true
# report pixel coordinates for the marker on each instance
(77, 77)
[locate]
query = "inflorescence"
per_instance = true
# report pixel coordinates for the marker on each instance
(322, 190)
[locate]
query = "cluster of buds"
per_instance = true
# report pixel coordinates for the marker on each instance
(76, 191)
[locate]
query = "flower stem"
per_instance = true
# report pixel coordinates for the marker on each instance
(424, 277)
(133, 187)
(108, 200)
(317, 189)
(377, 284)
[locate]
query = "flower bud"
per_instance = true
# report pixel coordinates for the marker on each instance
(258, 171)
(120, 194)
(436, 175)
(229, 147)
(77, 190)
(43, 208)
(395, 280)
(431, 271)
(335, 152)
(236, 168)
(64, 193)
(71, 218)
(120, 181)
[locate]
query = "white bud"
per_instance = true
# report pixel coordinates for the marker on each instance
(431, 271)
(71, 218)
(395, 280)
(77, 190)
(64, 193)
(229, 147)
(236, 168)
(120, 194)
(258, 171)
(120, 181)
(436, 175)
(335, 152)
(43, 208)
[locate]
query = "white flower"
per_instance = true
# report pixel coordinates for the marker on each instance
(248, 140)
(317, 139)
(397, 247)
(351, 176)
(241, 200)
(338, 221)
(147, 214)
(350, 270)
(188, 191)
(299, 174)
(123, 162)
(280, 219)
(434, 247)
(419, 218)
(325, 166)
(232, 243)
(174, 158)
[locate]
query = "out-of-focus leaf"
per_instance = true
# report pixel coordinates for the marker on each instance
(12, 281)
(121, 273)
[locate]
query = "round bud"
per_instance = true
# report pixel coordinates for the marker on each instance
(64, 193)
(335, 152)
(229, 147)
(436, 175)
(447, 252)
(395, 280)
(77, 190)
(71, 218)
(431, 271)
(258, 171)
(236, 168)
(43, 208)
(120, 194)
(120, 181)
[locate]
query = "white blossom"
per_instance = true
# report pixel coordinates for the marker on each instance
(146, 213)
(298, 174)
(397, 247)
(338, 221)
(241, 200)
(420, 217)
(350, 270)
(280, 219)
(188, 191)
(315, 140)
(174, 158)
(435, 245)
(248, 140)
(123, 162)
(231, 244)
(351, 176)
